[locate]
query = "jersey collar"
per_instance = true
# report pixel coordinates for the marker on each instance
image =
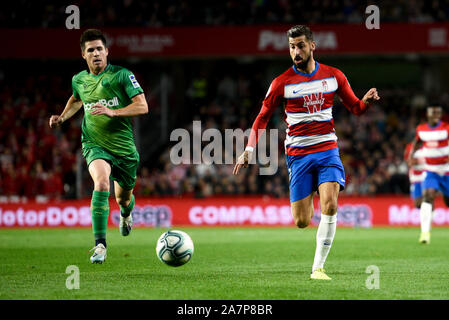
(307, 74)
(97, 75)
(435, 126)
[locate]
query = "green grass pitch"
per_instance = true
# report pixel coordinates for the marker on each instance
(228, 264)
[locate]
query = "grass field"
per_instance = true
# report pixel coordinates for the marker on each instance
(228, 264)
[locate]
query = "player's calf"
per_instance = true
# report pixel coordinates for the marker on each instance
(126, 218)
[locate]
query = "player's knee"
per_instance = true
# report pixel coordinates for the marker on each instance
(301, 221)
(330, 207)
(123, 201)
(102, 185)
(429, 197)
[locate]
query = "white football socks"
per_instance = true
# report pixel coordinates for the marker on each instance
(426, 216)
(324, 237)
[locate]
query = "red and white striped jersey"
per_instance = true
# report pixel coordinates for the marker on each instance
(308, 102)
(435, 146)
(416, 172)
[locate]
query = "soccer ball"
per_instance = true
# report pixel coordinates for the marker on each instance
(174, 248)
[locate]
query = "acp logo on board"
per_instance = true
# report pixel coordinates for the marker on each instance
(147, 216)
(350, 215)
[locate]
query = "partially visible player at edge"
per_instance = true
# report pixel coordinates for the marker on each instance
(433, 136)
(415, 173)
(111, 95)
(306, 91)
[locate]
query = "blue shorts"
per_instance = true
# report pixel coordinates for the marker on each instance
(433, 180)
(415, 190)
(307, 172)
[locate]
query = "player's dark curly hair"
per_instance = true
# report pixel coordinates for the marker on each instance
(91, 35)
(300, 30)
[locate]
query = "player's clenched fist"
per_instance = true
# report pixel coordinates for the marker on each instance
(55, 121)
(371, 96)
(242, 161)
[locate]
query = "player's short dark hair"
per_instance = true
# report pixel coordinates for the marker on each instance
(434, 105)
(300, 30)
(91, 35)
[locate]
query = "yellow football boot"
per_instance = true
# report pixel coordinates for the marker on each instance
(319, 274)
(424, 238)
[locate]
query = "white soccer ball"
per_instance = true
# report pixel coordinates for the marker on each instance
(174, 248)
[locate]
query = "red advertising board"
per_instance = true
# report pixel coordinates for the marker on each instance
(222, 41)
(240, 211)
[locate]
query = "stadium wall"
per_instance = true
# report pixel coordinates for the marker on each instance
(391, 38)
(231, 211)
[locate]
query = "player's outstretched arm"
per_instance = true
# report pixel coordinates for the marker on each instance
(242, 161)
(138, 107)
(273, 99)
(72, 106)
(350, 101)
(415, 146)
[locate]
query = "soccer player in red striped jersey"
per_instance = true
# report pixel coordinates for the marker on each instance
(306, 92)
(434, 138)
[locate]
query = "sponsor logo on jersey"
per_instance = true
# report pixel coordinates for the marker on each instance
(133, 80)
(107, 103)
(314, 102)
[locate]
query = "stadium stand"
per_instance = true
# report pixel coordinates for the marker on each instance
(158, 13)
(36, 161)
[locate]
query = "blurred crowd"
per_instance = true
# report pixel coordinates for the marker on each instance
(371, 146)
(128, 13)
(33, 159)
(38, 161)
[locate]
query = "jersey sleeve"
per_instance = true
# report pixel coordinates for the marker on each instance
(272, 100)
(417, 134)
(75, 92)
(407, 150)
(349, 99)
(130, 84)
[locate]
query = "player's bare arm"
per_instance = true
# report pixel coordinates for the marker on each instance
(138, 107)
(415, 146)
(72, 107)
(272, 100)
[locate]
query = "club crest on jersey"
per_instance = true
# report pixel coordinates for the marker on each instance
(325, 86)
(313, 102)
(133, 80)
